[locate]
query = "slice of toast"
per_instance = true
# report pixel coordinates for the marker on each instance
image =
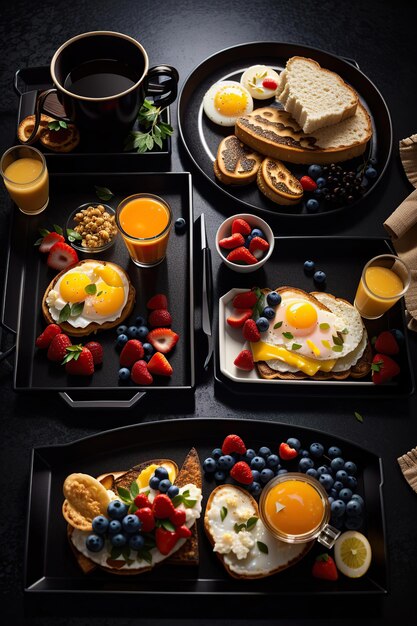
(236, 164)
(274, 133)
(277, 183)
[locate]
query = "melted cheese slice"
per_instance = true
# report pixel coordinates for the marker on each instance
(264, 352)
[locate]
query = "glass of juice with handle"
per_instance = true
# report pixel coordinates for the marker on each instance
(385, 279)
(26, 178)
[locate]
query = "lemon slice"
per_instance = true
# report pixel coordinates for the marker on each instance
(353, 554)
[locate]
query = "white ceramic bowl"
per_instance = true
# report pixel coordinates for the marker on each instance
(225, 230)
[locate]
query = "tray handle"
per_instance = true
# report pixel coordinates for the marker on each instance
(16, 84)
(101, 404)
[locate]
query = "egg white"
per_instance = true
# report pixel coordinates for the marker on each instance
(253, 77)
(215, 114)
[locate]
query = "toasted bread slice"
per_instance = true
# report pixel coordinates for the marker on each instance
(27, 125)
(274, 133)
(93, 327)
(278, 184)
(62, 140)
(236, 164)
(314, 96)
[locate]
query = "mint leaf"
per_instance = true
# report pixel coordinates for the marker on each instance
(251, 523)
(124, 495)
(115, 553)
(238, 527)
(64, 314)
(165, 523)
(277, 325)
(44, 231)
(186, 493)
(288, 335)
(262, 547)
(134, 489)
(337, 340)
(145, 555)
(177, 500)
(77, 308)
(91, 289)
(73, 235)
(58, 229)
(223, 513)
(295, 346)
(103, 193)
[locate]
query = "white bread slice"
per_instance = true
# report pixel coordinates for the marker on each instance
(314, 96)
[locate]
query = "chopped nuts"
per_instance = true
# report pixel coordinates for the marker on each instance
(96, 226)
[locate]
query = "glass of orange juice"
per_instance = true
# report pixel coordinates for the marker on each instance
(26, 178)
(385, 278)
(144, 221)
(295, 508)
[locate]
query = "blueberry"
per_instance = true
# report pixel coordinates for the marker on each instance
(121, 330)
(255, 489)
(132, 332)
(272, 461)
(359, 498)
(342, 476)
(303, 454)
(316, 450)
(319, 277)
(338, 485)
(330, 498)
(350, 467)
(262, 324)
(305, 464)
(247, 241)
(117, 509)
(115, 527)
(371, 173)
(100, 524)
(338, 508)
(225, 462)
(164, 485)
(173, 491)
(124, 373)
(352, 483)
(148, 349)
(256, 476)
(220, 476)
(354, 508)
(294, 443)
(399, 336)
(323, 469)
(258, 463)
(312, 205)
(161, 472)
(209, 465)
(264, 452)
(318, 193)
(140, 321)
(309, 266)
(136, 542)
(353, 523)
(334, 451)
(94, 543)
(216, 453)
(256, 232)
(121, 340)
(321, 182)
(268, 312)
(282, 471)
(154, 482)
(333, 493)
(326, 480)
(266, 476)
(118, 541)
(337, 464)
(180, 225)
(142, 332)
(372, 161)
(314, 171)
(131, 524)
(273, 298)
(312, 472)
(249, 454)
(345, 494)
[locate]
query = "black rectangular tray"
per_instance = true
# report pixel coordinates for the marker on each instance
(342, 259)
(50, 566)
(30, 81)
(28, 276)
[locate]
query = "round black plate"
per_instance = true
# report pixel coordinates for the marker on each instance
(201, 137)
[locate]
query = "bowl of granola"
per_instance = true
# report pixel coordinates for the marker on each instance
(91, 227)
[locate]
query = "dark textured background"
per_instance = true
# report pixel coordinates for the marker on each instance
(381, 37)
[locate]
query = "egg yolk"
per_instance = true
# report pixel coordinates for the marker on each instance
(108, 299)
(72, 287)
(109, 275)
(230, 101)
(301, 315)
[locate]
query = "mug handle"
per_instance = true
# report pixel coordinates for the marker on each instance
(165, 92)
(39, 108)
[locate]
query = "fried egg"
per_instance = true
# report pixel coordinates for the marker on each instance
(259, 80)
(99, 291)
(226, 101)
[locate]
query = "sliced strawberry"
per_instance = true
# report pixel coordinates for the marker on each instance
(45, 338)
(238, 319)
(242, 473)
(178, 517)
(251, 331)
(81, 365)
(140, 374)
(162, 506)
(386, 343)
(147, 518)
(163, 339)
(258, 243)
(241, 255)
(383, 369)
(57, 350)
(244, 361)
(159, 365)
(286, 452)
(307, 183)
(158, 301)
(61, 256)
(235, 240)
(165, 540)
(233, 443)
(159, 317)
(241, 226)
(132, 351)
(96, 350)
(269, 83)
(325, 568)
(245, 300)
(49, 240)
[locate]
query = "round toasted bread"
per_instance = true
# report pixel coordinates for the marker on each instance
(277, 183)
(62, 140)
(93, 327)
(26, 127)
(236, 164)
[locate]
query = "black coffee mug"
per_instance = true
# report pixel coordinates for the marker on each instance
(101, 79)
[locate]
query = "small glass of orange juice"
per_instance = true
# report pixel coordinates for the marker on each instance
(295, 508)
(26, 178)
(385, 278)
(144, 221)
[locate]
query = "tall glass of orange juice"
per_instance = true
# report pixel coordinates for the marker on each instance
(26, 178)
(385, 278)
(144, 221)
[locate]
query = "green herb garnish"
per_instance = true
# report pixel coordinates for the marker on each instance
(277, 325)
(262, 547)
(324, 326)
(73, 235)
(57, 125)
(183, 498)
(251, 523)
(67, 311)
(288, 335)
(156, 131)
(295, 346)
(337, 348)
(223, 513)
(91, 289)
(358, 417)
(103, 193)
(338, 341)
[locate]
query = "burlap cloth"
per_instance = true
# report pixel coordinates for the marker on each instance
(408, 465)
(402, 227)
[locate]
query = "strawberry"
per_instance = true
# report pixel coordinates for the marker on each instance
(96, 350)
(238, 319)
(269, 83)
(163, 339)
(162, 506)
(159, 317)
(159, 301)
(159, 365)
(142, 501)
(258, 243)
(235, 240)
(307, 183)
(386, 343)
(132, 351)
(383, 369)
(140, 374)
(45, 338)
(49, 240)
(250, 331)
(324, 567)
(178, 517)
(244, 361)
(147, 518)
(165, 540)
(245, 300)
(286, 452)
(61, 256)
(242, 473)
(241, 255)
(233, 443)
(58, 347)
(241, 226)
(81, 363)
(183, 532)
